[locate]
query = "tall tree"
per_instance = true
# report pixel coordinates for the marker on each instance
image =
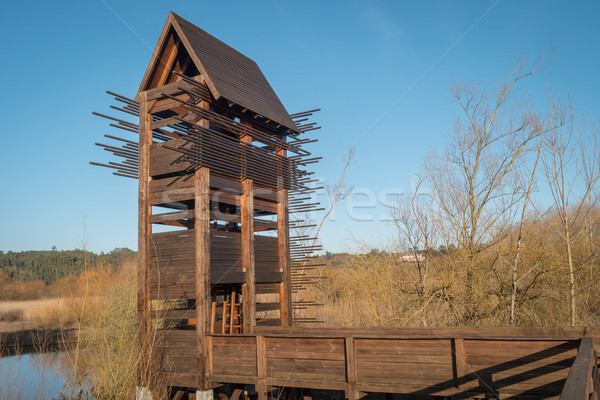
(571, 167)
(473, 179)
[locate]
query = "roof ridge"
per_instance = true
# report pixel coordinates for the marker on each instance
(194, 26)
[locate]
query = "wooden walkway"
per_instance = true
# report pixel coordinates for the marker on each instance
(461, 363)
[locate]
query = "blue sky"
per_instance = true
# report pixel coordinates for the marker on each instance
(353, 59)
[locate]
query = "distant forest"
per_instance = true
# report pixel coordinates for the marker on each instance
(49, 266)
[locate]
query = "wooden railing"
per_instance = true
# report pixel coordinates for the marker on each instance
(583, 380)
(443, 366)
(457, 362)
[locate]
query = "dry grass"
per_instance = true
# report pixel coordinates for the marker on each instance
(105, 362)
(29, 309)
(11, 315)
(376, 289)
(30, 314)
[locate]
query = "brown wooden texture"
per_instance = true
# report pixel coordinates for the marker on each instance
(234, 356)
(426, 366)
(202, 263)
(248, 254)
(285, 294)
(581, 381)
(351, 375)
(144, 228)
(230, 74)
(217, 184)
(172, 259)
(261, 367)
(173, 351)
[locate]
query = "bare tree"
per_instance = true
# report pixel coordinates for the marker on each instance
(338, 191)
(473, 179)
(571, 167)
(514, 263)
(414, 218)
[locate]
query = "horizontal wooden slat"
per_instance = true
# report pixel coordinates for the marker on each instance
(306, 369)
(174, 314)
(388, 372)
(267, 306)
(172, 292)
(267, 288)
(233, 355)
(299, 348)
(169, 88)
(178, 379)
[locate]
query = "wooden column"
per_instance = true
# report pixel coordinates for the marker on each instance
(144, 226)
(350, 369)
(460, 358)
(202, 262)
(247, 222)
(202, 257)
(261, 367)
(285, 289)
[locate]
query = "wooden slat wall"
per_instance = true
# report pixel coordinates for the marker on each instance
(233, 355)
(217, 183)
(166, 160)
(425, 366)
(174, 352)
(172, 259)
(423, 363)
(522, 366)
(306, 359)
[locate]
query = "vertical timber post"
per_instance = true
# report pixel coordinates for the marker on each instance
(460, 360)
(202, 261)
(202, 257)
(285, 289)
(261, 367)
(350, 369)
(144, 232)
(248, 265)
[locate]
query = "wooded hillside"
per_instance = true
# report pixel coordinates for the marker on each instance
(51, 265)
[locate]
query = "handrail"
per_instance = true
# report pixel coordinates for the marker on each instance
(582, 380)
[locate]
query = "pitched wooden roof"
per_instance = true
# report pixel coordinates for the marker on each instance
(228, 73)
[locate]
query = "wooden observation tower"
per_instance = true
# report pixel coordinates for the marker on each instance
(221, 167)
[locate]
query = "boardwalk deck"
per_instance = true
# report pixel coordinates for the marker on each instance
(457, 362)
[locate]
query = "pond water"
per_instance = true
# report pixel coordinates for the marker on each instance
(32, 376)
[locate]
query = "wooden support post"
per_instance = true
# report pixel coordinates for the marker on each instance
(144, 231)
(285, 291)
(350, 369)
(261, 367)
(209, 359)
(306, 394)
(248, 265)
(202, 257)
(460, 359)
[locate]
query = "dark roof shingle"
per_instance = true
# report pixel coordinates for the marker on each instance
(234, 76)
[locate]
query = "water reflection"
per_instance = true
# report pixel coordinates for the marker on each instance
(31, 376)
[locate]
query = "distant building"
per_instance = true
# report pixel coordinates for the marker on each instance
(411, 257)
